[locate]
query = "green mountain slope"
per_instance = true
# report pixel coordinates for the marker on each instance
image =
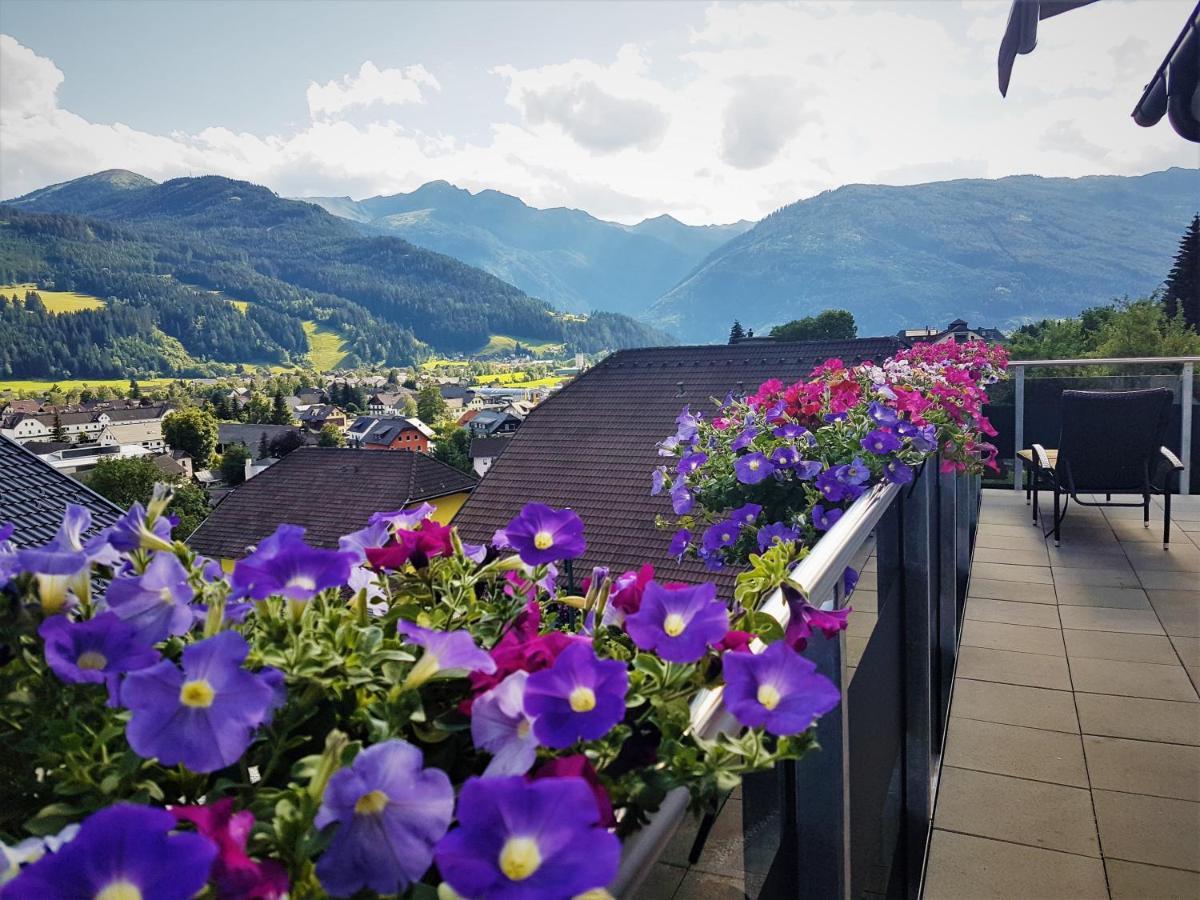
(567, 257)
(996, 253)
(391, 301)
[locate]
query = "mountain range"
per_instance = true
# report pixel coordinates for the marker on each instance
(569, 258)
(995, 252)
(168, 258)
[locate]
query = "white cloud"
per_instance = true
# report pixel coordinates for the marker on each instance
(764, 104)
(370, 87)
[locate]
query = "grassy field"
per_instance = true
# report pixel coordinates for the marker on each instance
(325, 348)
(56, 301)
(30, 388)
(506, 343)
(518, 379)
(431, 364)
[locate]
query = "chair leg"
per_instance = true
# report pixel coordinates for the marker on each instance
(1028, 483)
(1057, 518)
(1167, 520)
(1108, 498)
(1033, 475)
(1145, 510)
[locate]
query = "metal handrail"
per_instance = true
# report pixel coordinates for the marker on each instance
(1187, 366)
(816, 576)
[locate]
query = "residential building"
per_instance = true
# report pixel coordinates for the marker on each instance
(144, 434)
(484, 452)
(591, 446)
(456, 396)
(317, 416)
(77, 425)
(72, 458)
(36, 494)
(329, 492)
(493, 423)
(398, 434)
(958, 331)
(251, 436)
(389, 403)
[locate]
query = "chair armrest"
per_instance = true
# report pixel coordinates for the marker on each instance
(1173, 460)
(1039, 455)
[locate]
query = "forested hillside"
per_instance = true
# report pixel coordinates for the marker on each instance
(163, 249)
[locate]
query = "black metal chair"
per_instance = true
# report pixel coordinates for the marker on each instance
(1110, 443)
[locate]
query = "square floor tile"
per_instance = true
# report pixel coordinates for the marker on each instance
(963, 866)
(1131, 679)
(1021, 592)
(1042, 615)
(1188, 649)
(1091, 595)
(1051, 816)
(1099, 577)
(1137, 881)
(1021, 638)
(1179, 611)
(1018, 556)
(660, 882)
(1012, 704)
(1003, 572)
(1143, 767)
(1151, 830)
(1013, 750)
(1170, 581)
(1170, 721)
(1010, 667)
(1151, 648)
(1093, 618)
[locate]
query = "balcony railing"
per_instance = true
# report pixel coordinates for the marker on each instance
(853, 817)
(1035, 419)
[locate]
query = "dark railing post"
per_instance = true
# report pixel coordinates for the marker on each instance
(949, 514)
(919, 581)
(967, 523)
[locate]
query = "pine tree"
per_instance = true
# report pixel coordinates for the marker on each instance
(264, 446)
(59, 433)
(736, 333)
(135, 390)
(280, 413)
(1182, 292)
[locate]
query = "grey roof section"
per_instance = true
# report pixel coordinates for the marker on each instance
(488, 447)
(34, 495)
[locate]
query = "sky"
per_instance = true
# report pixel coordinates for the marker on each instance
(710, 112)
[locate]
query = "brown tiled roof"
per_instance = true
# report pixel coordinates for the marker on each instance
(329, 491)
(591, 446)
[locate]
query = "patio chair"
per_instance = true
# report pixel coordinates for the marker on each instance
(1110, 443)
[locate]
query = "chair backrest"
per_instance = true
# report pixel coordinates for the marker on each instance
(1109, 438)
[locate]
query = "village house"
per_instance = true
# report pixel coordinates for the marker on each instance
(317, 416)
(398, 434)
(493, 423)
(389, 403)
(329, 492)
(252, 436)
(484, 451)
(958, 331)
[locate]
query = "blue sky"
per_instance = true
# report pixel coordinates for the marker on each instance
(708, 111)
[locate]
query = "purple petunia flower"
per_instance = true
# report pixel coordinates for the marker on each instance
(130, 532)
(679, 542)
(679, 624)
(785, 457)
(390, 812)
(61, 567)
(923, 438)
(778, 690)
(542, 535)
(500, 725)
(777, 531)
(691, 462)
(853, 473)
(95, 650)
(124, 851)
(746, 515)
(687, 426)
(580, 697)
(658, 480)
(205, 715)
(823, 519)
(667, 446)
(286, 566)
(528, 840)
(752, 468)
(719, 536)
(743, 440)
(849, 581)
(830, 486)
(682, 499)
(376, 534)
(444, 651)
(406, 519)
(804, 619)
(897, 472)
(807, 470)
(881, 441)
(882, 415)
(775, 412)
(156, 602)
(790, 431)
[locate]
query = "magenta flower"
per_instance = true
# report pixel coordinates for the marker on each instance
(778, 690)
(519, 840)
(753, 468)
(444, 651)
(157, 602)
(805, 619)
(580, 697)
(390, 812)
(542, 535)
(235, 874)
(284, 565)
(94, 651)
(500, 726)
(204, 716)
(679, 624)
(578, 766)
(124, 851)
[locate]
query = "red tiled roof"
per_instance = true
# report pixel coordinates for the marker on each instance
(591, 446)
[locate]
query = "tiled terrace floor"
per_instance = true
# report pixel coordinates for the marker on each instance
(1072, 766)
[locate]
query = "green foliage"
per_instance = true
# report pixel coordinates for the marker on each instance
(193, 431)
(453, 446)
(1181, 293)
(129, 481)
(831, 325)
(281, 413)
(331, 436)
(737, 332)
(233, 464)
(431, 407)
